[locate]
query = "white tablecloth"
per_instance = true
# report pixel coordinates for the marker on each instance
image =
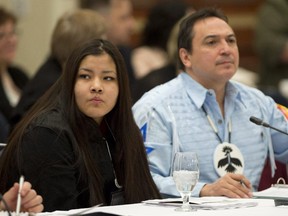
(265, 207)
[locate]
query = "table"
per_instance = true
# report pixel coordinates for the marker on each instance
(265, 207)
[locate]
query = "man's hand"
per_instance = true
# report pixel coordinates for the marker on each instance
(231, 185)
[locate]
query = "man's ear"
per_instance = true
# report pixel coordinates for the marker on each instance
(185, 57)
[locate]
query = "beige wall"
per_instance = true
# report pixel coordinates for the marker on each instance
(36, 22)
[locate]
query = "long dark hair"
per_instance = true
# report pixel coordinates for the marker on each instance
(131, 158)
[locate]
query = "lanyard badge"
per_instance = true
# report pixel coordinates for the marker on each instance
(227, 156)
(228, 159)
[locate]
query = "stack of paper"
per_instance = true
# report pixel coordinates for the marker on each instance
(278, 193)
(273, 193)
(207, 203)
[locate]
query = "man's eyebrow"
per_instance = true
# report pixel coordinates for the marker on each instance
(232, 35)
(211, 36)
(216, 35)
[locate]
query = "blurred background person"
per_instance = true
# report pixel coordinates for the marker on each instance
(4, 129)
(271, 45)
(163, 74)
(118, 15)
(152, 52)
(71, 30)
(12, 78)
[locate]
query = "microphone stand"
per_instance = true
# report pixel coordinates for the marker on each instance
(264, 124)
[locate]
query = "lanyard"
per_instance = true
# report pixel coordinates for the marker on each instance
(110, 156)
(215, 129)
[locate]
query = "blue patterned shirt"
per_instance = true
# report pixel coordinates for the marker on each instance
(171, 119)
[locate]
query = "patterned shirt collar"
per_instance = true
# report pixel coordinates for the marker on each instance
(198, 93)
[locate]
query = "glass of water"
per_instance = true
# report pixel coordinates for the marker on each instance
(185, 174)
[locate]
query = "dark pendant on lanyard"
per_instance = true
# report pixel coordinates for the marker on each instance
(227, 156)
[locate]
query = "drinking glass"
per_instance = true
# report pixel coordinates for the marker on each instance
(185, 174)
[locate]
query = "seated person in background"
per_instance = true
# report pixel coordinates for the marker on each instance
(30, 201)
(203, 111)
(12, 78)
(73, 144)
(162, 74)
(271, 46)
(152, 52)
(71, 30)
(4, 129)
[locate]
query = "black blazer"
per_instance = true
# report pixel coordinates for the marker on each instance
(20, 79)
(44, 78)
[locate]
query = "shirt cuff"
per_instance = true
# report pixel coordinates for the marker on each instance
(197, 189)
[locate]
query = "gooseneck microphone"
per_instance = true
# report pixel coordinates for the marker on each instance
(264, 124)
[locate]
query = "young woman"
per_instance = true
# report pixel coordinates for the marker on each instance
(72, 29)
(79, 145)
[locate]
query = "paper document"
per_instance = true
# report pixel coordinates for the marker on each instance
(207, 203)
(273, 193)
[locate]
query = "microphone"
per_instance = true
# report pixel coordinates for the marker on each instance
(264, 124)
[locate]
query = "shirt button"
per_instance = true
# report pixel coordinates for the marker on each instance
(220, 121)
